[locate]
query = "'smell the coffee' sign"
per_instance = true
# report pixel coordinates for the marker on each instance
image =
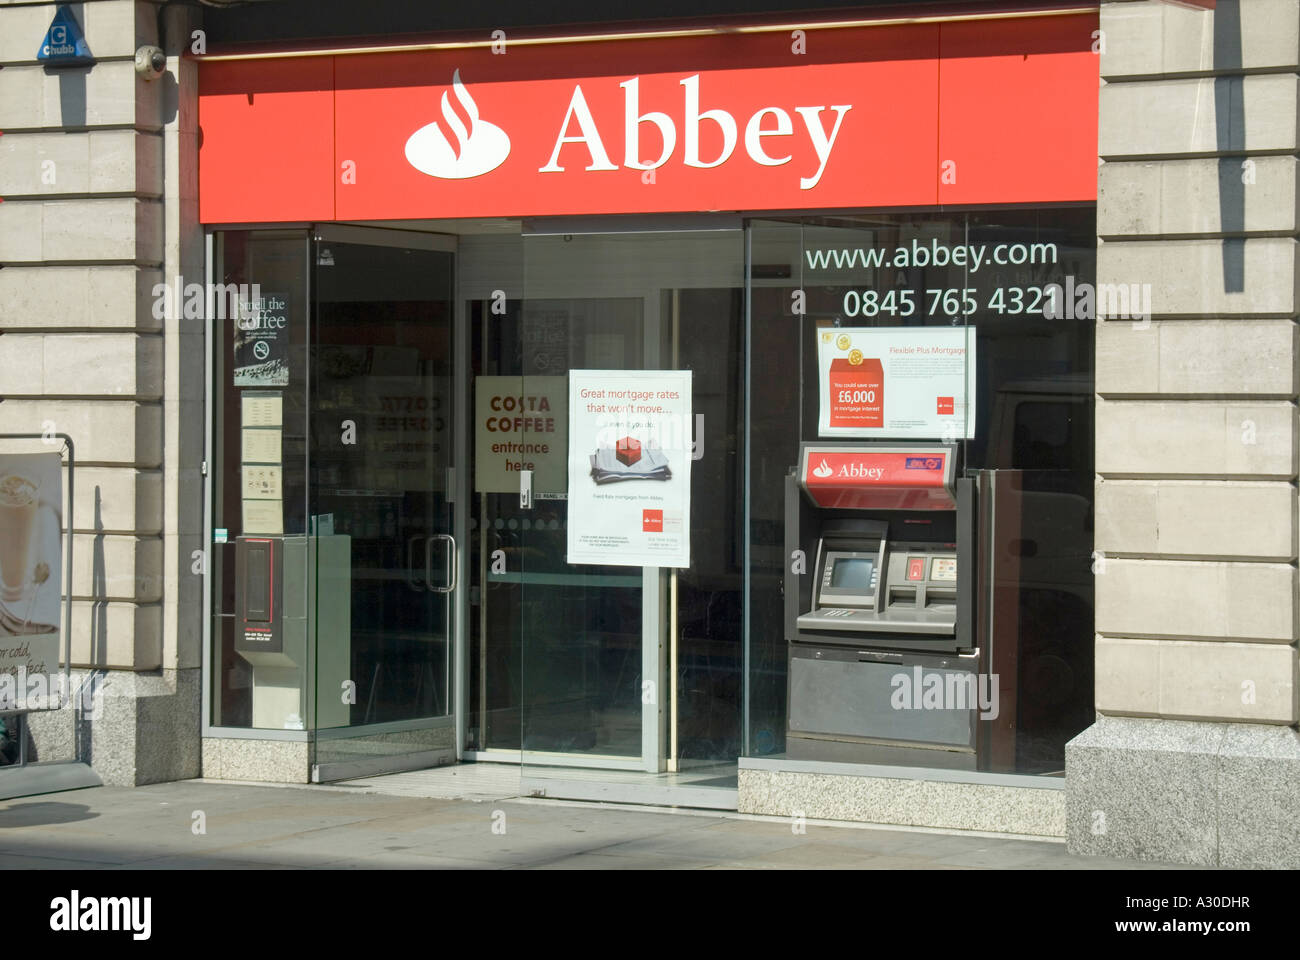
(262, 342)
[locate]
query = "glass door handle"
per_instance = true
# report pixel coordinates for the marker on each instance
(525, 489)
(411, 580)
(452, 555)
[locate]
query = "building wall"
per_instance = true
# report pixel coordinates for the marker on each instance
(95, 213)
(1194, 756)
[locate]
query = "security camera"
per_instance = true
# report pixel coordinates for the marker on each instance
(150, 62)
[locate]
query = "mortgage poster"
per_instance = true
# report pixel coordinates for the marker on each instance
(913, 382)
(630, 452)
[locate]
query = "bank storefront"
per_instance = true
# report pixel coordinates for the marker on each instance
(691, 417)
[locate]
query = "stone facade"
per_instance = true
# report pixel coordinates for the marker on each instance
(1194, 756)
(98, 176)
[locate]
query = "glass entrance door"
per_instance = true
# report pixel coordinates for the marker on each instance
(584, 651)
(381, 480)
(591, 655)
(625, 667)
(620, 669)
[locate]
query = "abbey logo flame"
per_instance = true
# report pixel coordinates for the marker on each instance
(474, 148)
(822, 471)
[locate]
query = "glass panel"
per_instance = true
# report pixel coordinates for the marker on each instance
(1034, 446)
(707, 599)
(383, 547)
(775, 349)
(581, 625)
(1027, 455)
(635, 668)
(259, 483)
(491, 282)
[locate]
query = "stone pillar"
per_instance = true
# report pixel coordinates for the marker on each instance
(95, 214)
(1194, 755)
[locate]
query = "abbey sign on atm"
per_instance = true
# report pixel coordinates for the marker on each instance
(887, 533)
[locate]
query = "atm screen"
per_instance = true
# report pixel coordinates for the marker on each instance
(852, 572)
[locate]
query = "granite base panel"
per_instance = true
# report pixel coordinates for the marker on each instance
(132, 728)
(991, 808)
(290, 761)
(272, 761)
(1210, 794)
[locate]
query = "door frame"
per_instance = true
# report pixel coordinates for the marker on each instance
(458, 475)
(658, 640)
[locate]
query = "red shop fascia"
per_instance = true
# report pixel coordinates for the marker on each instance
(891, 115)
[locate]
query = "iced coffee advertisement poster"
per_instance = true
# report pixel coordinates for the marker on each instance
(630, 436)
(31, 566)
(916, 382)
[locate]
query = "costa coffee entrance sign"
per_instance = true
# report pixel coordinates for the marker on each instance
(999, 111)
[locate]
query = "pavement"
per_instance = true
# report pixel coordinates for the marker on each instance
(196, 824)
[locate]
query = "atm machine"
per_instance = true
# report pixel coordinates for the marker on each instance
(287, 590)
(879, 606)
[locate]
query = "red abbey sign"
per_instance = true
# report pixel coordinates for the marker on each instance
(854, 479)
(1000, 111)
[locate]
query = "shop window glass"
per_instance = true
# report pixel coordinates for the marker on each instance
(1028, 457)
(259, 476)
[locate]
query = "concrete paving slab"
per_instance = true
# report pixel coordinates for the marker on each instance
(307, 827)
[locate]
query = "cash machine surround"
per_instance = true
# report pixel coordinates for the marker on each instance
(886, 532)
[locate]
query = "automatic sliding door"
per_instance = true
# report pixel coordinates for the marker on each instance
(582, 651)
(600, 685)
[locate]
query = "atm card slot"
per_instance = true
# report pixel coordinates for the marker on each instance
(901, 597)
(940, 598)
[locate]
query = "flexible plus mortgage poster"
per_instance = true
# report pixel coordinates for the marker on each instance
(914, 382)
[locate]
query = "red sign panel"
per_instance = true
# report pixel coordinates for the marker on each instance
(867, 480)
(856, 392)
(998, 111)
